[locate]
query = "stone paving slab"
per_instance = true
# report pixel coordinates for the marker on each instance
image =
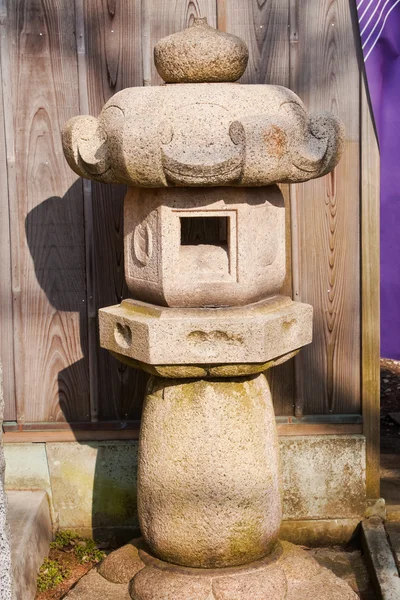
(349, 566)
(94, 587)
(390, 484)
(393, 531)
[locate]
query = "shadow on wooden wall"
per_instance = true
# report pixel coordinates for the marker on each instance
(57, 249)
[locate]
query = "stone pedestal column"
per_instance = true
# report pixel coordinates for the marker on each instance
(208, 479)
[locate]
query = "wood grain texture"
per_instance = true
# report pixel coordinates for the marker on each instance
(263, 24)
(264, 27)
(47, 240)
(326, 76)
(113, 58)
(370, 273)
(221, 14)
(91, 298)
(66, 243)
(163, 17)
(6, 309)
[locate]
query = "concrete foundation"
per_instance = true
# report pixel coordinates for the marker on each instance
(92, 486)
(31, 534)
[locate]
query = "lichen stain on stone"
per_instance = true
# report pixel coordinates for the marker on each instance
(145, 311)
(245, 542)
(276, 141)
(337, 492)
(288, 324)
(112, 503)
(77, 476)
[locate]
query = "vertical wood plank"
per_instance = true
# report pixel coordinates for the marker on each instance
(264, 27)
(48, 238)
(91, 298)
(325, 74)
(6, 311)
(221, 15)
(169, 16)
(113, 62)
(294, 229)
(370, 272)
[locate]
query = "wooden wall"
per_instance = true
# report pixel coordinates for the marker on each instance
(61, 237)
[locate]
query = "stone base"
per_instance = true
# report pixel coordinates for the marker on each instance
(289, 573)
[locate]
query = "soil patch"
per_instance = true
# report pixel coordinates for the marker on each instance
(390, 403)
(70, 558)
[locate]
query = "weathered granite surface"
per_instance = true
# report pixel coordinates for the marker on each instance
(122, 565)
(94, 587)
(204, 134)
(5, 547)
(208, 473)
(189, 55)
(202, 370)
(204, 246)
(227, 336)
(288, 573)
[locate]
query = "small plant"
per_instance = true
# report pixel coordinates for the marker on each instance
(51, 574)
(63, 539)
(84, 549)
(87, 551)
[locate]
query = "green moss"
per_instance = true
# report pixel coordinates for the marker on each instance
(245, 541)
(85, 549)
(203, 370)
(51, 574)
(145, 311)
(113, 502)
(63, 539)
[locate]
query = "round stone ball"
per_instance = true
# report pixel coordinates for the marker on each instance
(200, 54)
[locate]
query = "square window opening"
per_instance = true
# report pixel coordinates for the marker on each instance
(212, 231)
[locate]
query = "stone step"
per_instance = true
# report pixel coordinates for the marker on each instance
(380, 559)
(393, 531)
(390, 483)
(31, 534)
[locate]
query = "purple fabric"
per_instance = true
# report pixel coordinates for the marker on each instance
(380, 36)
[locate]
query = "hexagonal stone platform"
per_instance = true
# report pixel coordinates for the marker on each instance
(255, 333)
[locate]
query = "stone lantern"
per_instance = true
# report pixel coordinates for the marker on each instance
(204, 228)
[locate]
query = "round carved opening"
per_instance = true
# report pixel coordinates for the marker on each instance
(123, 335)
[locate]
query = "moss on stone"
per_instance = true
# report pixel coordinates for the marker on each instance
(203, 370)
(146, 311)
(113, 502)
(245, 542)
